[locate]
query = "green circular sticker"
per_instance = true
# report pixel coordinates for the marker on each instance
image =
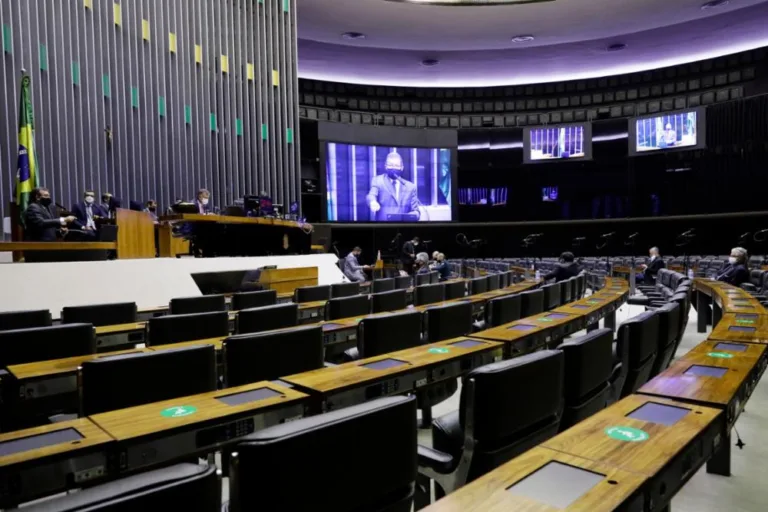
(721, 355)
(438, 350)
(545, 319)
(620, 433)
(178, 412)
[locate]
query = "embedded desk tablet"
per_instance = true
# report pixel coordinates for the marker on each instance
(746, 316)
(384, 364)
(740, 328)
(331, 326)
(731, 347)
(555, 316)
(580, 306)
(25, 444)
(466, 343)
(659, 413)
(706, 371)
(556, 484)
(521, 327)
(248, 396)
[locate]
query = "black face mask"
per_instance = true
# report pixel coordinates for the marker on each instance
(152, 208)
(45, 201)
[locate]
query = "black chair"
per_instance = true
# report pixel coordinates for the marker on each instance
(551, 298)
(531, 303)
(422, 279)
(755, 283)
(339, 290)
(267, 318)
(620, 353)
(434, 277)
(271, 355)
(347, 307)
(588, 369)
(117, 382)
(449, 321)
(177, 328)
(12, 320)
(388, 301)
(502, 310)
(428, 294)
(402, 282)
(100, 314)
(501, 415)
(503, 280)
(383, 285)
(566, 291)
(19, 346)
(311, 293)
(669, 325)
(372, 446)
(642, 331)
(384, 334)
(187, 486)
(494, 282)
(477, 285)
(248, 300)
(203, 304)
(455, 290)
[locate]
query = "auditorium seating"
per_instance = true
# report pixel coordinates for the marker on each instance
(248, 300)
(388, 301)
(455, 290)
(204, 304)
(449, 321)
(402, 282)
(25, 319)
(347, 307)
(477, 286)
(642, 332)
(494, 282)
(566, 290)
(178, 328)
(311, 294)
(422, 279)
(100, 314)
(339, 290)
(384, 334)
(371, 448)
(531, 303)
(267, 318)
(669, 326)
(551, 298)
(428, 294)
(502, 310)
(383, 285)
(20, 346)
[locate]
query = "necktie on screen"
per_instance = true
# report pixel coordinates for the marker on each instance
(397, 191)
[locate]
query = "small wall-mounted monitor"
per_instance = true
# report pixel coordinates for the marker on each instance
(550, 194)
(555, 143)
(670, 131)
(475, 196)
(498, 196)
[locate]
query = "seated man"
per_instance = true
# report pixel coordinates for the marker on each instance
(203, 202)
(735, 272)
(566, 269)
(422, 263)
(352, 268)
(441, 267)
(41, 223)
(652, 268)
(87, 212)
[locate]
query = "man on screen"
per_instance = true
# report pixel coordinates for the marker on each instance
(391, 195)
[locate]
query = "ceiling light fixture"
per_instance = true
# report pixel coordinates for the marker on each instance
(714, 4)
(616, 47)
(428, 63)
(353, 36)
(523, 38)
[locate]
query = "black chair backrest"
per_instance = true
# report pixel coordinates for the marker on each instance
(588, 364)
(383, 285)
(344, 290)
(642, 332)
(428, 294)
(434, 277)
(422, 279)
(100, 314)
(477, 285)
(566, 291)
(494, 282)
(669, 326)
(502, 310)
(531, 303)
(202, 304)
(11, 320)
(117, 382)
(267, 318)
(272, 354)
(402, 282)
(248, 300)
(177, 328)
(311, 293)
(188, 486)
(756, 278)
(347, 307)
(449, 321)
(551, 295)
(20, 346)
(376, 474)
(455, 290)
(389, 301)
(384, 334)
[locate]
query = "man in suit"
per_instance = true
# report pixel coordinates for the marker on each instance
(441, 267)
(408, 257)
(87, 212)
(203, 202)
(735, 272)
(566, 269)
(352, 268)
(390, 194)
(41, 223)
(655, 263)
(151, 209)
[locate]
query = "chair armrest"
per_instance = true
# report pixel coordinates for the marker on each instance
(749, 287)
(436, 460)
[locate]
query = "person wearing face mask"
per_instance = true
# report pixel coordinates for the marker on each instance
(87, 212)
(151, 209)
(441, 267)
(203, 202)
(655, 263)
(735, 272)
(565, 269)
(41, 222)
(392, 198)
(352, 267)
(408, 257)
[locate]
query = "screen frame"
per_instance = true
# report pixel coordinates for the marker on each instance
(527, 143)
(387, 136)
(701, 130)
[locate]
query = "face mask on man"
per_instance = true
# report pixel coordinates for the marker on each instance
(653, 257)
(204, 201)
(89, 199)
(732, 260)
(45, 201)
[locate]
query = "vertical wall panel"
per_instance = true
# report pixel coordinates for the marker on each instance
(89, 134)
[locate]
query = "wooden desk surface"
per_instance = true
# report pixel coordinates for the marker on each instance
(744, 327)
(59, 366)
(57, 246)
(533, 324)
(700, 353)
(147, 419)
(216, 342)
(120, 328)
(92, 436)
(489, 493)
(590, 440)
(227, 219)
(353, 374)
(675, 383)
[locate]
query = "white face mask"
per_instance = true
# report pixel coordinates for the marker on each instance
(653, 257)
(732, 260)
(89, 199)
(204, 201)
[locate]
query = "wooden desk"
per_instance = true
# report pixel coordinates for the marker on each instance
(724, 298)
(121, 334)
(32, 472)
(740, 352)
(169, 246)
(667, 454)
(745, 328)
(135, 234)
(216, 342)
(354, 383)
(286, 280)
(57, 246)
(171, 430)
(227, 219)
(616, 488)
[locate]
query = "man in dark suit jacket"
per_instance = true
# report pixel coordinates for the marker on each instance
(736, 271)
(566, 269)
(41, 223)
(409, 254)
(87, 212)
(390, 194)
(203, 202)
(654, 265)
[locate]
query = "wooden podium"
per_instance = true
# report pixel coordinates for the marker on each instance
(285, 280)
(135, 234)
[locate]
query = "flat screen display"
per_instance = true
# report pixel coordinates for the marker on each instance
(552, 143)
(476, 196)
(550, 194)
(498, 196)
(666, 132)
(366, 183)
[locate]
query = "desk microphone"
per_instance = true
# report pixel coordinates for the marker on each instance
(633, 235)
(608, 235)
(579, 238)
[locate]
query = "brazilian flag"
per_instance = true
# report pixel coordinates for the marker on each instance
(27, 177)
(444, 178)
